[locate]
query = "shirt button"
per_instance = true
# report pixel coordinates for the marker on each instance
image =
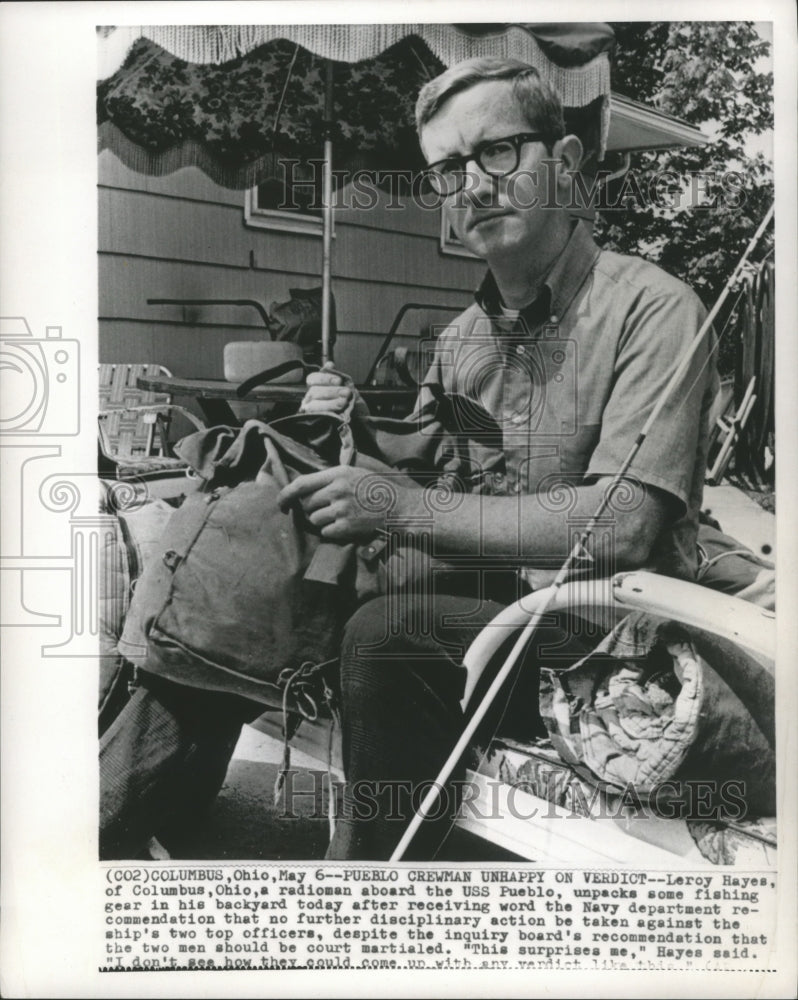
(171, 559)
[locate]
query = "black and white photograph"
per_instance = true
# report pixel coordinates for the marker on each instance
(391, 508)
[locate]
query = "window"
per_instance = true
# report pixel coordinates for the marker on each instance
(450, 244)
(291, 201)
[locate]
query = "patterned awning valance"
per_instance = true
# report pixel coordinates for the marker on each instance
(232, 99)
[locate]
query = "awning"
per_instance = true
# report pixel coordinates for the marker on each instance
(234, 99)
(634, 126)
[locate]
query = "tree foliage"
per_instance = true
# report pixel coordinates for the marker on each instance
(697, 218)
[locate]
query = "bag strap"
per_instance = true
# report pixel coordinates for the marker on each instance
(348, 452)
(446, 404)
(276, 371)
(401, 358)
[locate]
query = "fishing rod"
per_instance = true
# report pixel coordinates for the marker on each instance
(576, 554)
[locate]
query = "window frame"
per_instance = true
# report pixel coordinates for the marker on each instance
(281, 220)
(450, 244)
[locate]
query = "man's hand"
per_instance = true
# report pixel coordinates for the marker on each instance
(330, 392)
(347, 504)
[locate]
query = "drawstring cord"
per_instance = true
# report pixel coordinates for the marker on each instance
(134, 682)
(705, 563)
(335, 723)
(303, 684)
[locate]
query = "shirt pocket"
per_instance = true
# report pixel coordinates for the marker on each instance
(576, 449)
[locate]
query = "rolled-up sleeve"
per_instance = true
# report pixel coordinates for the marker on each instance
(657, 333)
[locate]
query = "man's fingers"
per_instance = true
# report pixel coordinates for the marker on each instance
(322, 517)
(312, 405)
(328, 392)
(326, 399)
(335, 532)
(303, 485)
(324, 377)
(316, 500)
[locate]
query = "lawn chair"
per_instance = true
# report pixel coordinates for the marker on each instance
(727, 428)
(519, 820)
(133, 429)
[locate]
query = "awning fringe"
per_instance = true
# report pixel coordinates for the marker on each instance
(577, 85)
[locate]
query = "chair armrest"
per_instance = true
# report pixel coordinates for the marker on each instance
(741, 622)
(592, 600)
(150, 412)
(156, 408)
(727, 616)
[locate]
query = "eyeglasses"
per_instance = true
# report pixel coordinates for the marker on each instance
(495, 157)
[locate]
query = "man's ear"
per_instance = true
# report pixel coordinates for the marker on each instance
(569, 152)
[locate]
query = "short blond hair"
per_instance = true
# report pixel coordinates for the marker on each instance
(538, 100)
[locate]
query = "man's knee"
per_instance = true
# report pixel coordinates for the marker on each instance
(366, 630)
(389, 627)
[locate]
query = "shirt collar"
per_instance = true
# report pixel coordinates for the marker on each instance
(561, 284)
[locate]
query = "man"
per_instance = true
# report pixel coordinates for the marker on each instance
(567, 348)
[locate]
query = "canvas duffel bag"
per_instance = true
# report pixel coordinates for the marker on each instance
(239, 591)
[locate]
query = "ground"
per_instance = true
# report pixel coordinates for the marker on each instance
(244, 823)
(746, 515)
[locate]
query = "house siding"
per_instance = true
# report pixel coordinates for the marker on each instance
(182, 236)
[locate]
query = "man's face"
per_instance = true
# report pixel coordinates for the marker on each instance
(493, 217)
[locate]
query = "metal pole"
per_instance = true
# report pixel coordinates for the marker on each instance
(579, 547)
(327, 216)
